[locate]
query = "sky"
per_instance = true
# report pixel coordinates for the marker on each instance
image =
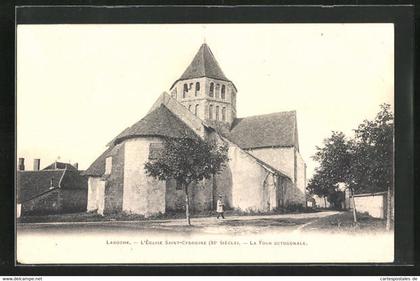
(78, 86)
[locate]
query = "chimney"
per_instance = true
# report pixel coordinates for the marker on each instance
(76, 165)
(21, 164)
(37, 163)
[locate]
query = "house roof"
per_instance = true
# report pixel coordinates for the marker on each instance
(159, 122)
(204, 64)
(60, 165)
(31, 184)
(269, 130)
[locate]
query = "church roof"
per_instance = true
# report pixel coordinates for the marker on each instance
(97, 168)
(160, 122)
(268, 130)
(204, 64)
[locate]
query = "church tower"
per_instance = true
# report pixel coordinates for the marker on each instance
(204, 89)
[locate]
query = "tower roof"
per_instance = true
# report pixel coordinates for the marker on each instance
(204, 64)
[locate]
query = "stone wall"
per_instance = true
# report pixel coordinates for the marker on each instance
(74, 200)
(281, 158)
(373, 204)
(247, 191)
(293, 195)
(96, 195)
(223, 186)
(48, 203)
(115, 182)
(300, 173)
(200, 196)
(142, 194)
(74, 188)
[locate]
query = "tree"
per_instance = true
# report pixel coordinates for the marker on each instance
(373, 155)
(334, 159)
(363, 163)
(187, 160)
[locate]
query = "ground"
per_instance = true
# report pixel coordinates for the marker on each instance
(325, 221)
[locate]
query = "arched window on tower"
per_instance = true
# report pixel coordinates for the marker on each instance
(196, 110)
(211, 92)
(211, 111)
(184, 93)
(197, 88)
(222, 94)
(217, 91)
(189, 107)
(224, 114)
(217, 113)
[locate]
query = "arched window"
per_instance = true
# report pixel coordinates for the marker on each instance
(211, 112)
(189, 107)
(211, 92)
(197, 88)
(224, 113)
(217, 113)
(217, 90)
(184, 93)
(196, 110)
(223, 92)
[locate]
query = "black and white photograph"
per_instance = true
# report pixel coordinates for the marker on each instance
(205, 143)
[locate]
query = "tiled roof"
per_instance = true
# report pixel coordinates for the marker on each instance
(204, 64)
(97, 168)
(160, 122)
(60, 165)
(31, 184)
(269, 130)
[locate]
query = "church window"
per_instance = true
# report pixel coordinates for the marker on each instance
(197, 88)
(217, 113)
(184, 93)
(217, 90)
(223, 92)
(191, 84)
(211, 112)
(224, 113)
(196, 109)
(108, 165)
(189, 107)
(211, 92)
(154, 150)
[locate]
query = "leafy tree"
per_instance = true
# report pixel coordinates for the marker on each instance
(373, 155)
(364, 163)
(373, 150)
(334, 159)
(187, 160)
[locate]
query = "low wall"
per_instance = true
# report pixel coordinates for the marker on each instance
(373, 203)
(96, 195)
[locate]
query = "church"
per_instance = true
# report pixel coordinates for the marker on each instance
(265, 170)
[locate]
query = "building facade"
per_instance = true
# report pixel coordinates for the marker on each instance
(265, 169)
(58, 188)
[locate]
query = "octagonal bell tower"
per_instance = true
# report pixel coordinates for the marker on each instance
(204, 90)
